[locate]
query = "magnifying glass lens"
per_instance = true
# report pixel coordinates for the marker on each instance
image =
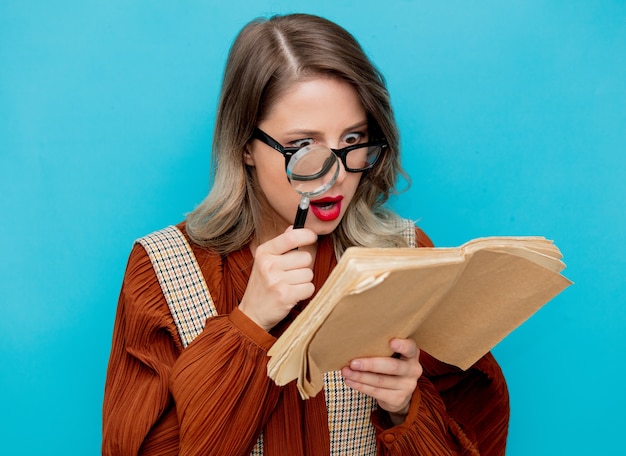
(312, 171)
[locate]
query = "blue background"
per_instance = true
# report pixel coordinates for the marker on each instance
(513, 117)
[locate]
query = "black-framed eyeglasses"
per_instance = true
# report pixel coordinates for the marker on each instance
(356, 158)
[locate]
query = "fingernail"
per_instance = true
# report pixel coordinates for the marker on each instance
(356, 365)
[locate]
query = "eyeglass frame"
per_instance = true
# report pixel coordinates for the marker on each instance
(342, 153)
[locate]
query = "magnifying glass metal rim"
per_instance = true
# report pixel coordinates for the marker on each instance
(303, 207)
(328, 163)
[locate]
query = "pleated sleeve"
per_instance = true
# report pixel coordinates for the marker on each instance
(145, 345)
(221, 388)
(159, 397)
(453, 412)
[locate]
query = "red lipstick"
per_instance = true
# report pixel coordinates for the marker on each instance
(326, 209)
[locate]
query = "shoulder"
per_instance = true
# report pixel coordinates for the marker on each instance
(170, 241)
(413, 234)
(172, 252)
(142, 302)
(422, 238)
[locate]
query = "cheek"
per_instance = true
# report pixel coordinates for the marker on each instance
(273, 179)
(277, 189)
(352, 183)
(269, 168)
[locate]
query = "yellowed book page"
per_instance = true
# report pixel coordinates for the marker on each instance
(495, 294)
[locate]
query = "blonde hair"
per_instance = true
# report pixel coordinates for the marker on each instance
(266, 58)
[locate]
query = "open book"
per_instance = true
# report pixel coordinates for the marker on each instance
(456, 303)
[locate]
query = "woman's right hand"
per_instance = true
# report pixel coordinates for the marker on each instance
(280, 277)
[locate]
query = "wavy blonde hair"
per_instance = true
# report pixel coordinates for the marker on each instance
(266, 58)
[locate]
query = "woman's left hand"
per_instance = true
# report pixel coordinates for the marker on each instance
(389, 380)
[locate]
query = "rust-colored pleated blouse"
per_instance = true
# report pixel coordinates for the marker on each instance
(214, 397)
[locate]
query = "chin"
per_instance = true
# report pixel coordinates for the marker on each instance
(323, 228)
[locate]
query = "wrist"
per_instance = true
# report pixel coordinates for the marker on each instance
(251, 330)
(243, 308)
(397, 418)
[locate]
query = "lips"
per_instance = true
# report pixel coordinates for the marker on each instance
(326, 209)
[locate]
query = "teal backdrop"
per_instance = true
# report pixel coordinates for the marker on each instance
(513, 120)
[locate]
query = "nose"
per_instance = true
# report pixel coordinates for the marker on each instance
(342, 171)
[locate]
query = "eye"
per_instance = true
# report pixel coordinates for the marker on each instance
(354, 138)
(302, 142)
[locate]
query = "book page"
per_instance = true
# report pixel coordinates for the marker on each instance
(496, 293)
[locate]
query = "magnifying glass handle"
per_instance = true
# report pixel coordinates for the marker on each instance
(303, 209)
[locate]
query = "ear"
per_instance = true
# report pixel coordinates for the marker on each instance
(248, 158)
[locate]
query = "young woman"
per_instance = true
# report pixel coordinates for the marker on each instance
(202, 302)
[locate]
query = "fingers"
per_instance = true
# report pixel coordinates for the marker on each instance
(406, 348)
(384, 372)
(277, 263)
(391, 381)
(391, 396)
(295, 285)
(290, 268)
(291, 239)
(280, 277)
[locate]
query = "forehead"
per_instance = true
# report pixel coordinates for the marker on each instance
(316, 103)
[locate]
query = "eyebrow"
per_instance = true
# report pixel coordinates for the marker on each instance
(306, 133)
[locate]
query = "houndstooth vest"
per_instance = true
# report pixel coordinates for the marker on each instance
(188, 298)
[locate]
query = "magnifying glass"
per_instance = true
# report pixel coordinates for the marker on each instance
(311, 171)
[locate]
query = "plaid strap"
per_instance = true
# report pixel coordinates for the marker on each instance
(190, 303)
(183, 285)
(408, 231)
